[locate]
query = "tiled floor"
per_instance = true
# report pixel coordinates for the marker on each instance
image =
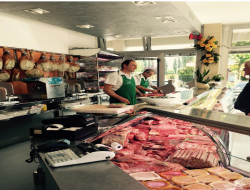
(15, 173)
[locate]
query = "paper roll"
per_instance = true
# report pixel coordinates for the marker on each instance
(116, 146)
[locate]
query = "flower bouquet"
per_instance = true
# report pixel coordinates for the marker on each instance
(208, 44)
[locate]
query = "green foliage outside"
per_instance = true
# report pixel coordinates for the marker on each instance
(239, 60)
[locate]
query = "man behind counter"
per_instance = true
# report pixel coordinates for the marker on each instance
(143, 82)
(120, 85)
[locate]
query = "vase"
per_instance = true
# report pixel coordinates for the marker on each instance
(202, 85)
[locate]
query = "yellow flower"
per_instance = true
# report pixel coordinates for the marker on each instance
(213, 39)
(204, 61)
(209, 49)
(202, 45)
(210, 42)
(211, 58)
(210, 61)
(207, 45)
(214, 46)
(208, 55)
(199, 42)
(203, 39)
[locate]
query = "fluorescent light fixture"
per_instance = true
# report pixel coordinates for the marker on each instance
(166, 19)
(143, 3)
(117, 35)
(36, 11)
(84, 26)
(183, 31)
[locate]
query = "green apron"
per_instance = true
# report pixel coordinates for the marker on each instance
(145, 84)
(127, 90)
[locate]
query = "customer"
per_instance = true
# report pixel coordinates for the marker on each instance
(243, 101)
(120, 85)
(143, 82)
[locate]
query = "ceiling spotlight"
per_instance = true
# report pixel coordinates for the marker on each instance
(183, 31)
(84, 26)
(142, 3)
(36, 11)
(166, 19)
(117, 35)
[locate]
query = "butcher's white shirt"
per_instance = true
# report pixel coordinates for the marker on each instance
(139, 77)
(115, 79)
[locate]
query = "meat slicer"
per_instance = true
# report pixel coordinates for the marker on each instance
(74, 87)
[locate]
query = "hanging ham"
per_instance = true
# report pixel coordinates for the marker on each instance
(74, 67)
(15, 74)
(4, 75)
(25, 63)
(1, 63)
(36, 71)
(8, 59)
(63, 66)
(44, 64)
(54, 63)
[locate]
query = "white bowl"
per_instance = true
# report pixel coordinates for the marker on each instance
(159, 101)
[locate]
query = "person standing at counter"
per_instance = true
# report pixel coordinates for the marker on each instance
(143, 82)
(120, 85)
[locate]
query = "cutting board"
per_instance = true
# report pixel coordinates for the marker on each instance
(102, 109)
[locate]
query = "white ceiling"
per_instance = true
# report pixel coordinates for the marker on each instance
(225, 12)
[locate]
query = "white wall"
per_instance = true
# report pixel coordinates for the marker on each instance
(19, 32)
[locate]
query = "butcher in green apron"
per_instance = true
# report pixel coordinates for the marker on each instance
(121, 86)
(143, 82)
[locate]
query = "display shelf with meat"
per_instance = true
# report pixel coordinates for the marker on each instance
(197, 186)
(36, 71)
(73, 68)
(196, 172)
(156, 184)
(25, 62)
(44, 63)
(223, 185)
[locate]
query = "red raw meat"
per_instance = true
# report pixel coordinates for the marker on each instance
(126, 152)
(120, 137)
(194, 131)
(143, 126)
(131, 136)
(181, 137)
(141, 136)
(147, 122)
(122, 165)
(157, 138)
(134, 130)
(158, 122)
(201, 133)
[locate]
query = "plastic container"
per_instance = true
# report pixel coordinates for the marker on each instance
(145, 176)
(156, 184)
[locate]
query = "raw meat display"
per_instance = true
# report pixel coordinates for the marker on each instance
(208, 178)
(145, 176)
(230, 175)
(215, 170)
(184, 180)
(8, 59)
(116, 105)
(43, 63)
(243, 183)
(170, 174)
(223, 185)
(156, 184)
(196, 172)
(198, 186)
(26, 63)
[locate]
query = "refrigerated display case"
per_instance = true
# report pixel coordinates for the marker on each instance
(209, 122)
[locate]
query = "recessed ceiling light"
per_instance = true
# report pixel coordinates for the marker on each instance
(117, 35)
(183, 31)
(142, 3)
(84, 26)
(36, 11)
(166, 19)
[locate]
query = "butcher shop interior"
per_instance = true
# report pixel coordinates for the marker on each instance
(124, 95)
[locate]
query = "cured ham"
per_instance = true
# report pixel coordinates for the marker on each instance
(25, 63)
(4, 75)
(1, 63)
(198, 186)
(44, 64)
(208, 178)
(8, 59)
(36, 71)
(184, 180)
(15, 74)
(196, 172)
(54, 63)
(63, 65)
(74, 67)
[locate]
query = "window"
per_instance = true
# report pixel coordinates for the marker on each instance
(241, 37)
(180, 68)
